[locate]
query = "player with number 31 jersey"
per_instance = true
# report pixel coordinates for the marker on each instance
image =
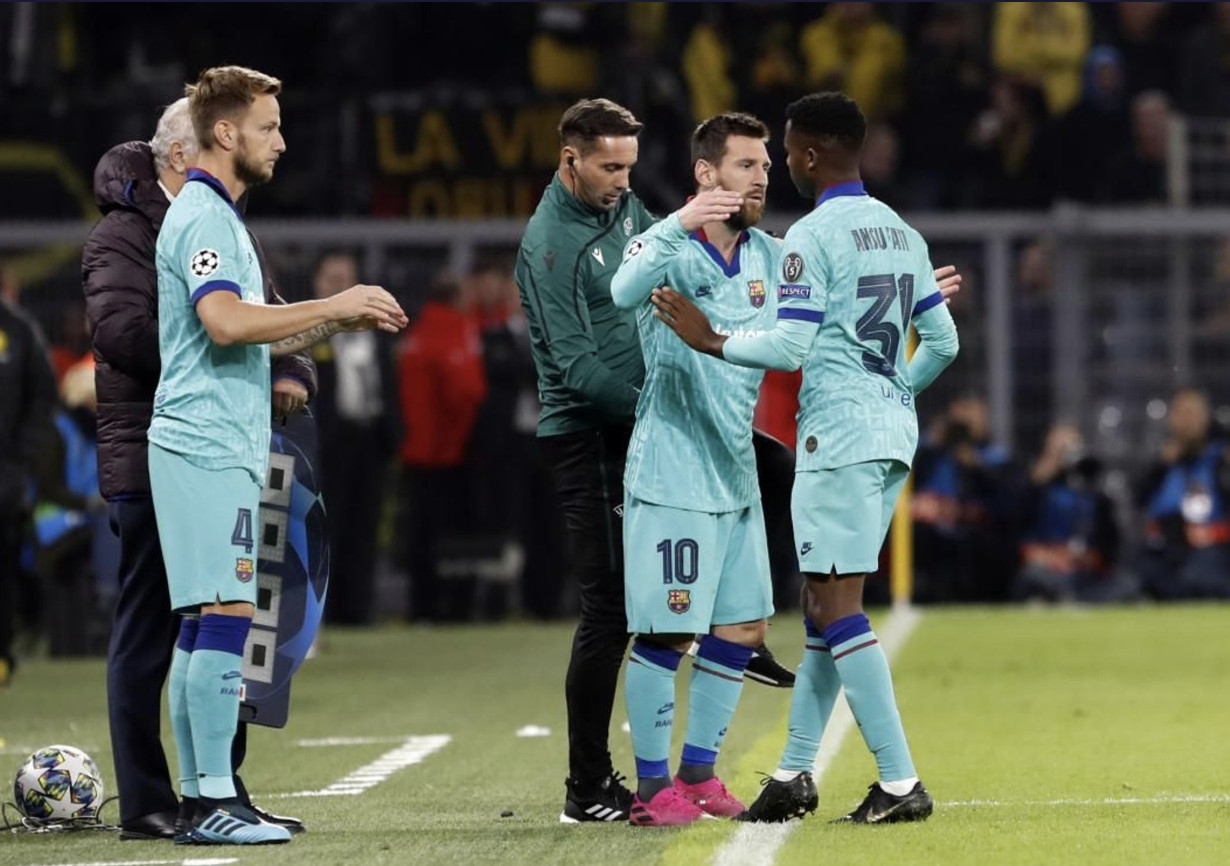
(853, 278)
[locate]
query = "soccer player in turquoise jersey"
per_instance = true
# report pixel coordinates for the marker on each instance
(695, 549)
(209, 438)
(853, 278)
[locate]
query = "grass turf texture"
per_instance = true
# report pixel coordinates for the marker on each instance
(1017, 708)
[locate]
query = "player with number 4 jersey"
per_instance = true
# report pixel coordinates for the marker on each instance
(209, 437)
(853, 279)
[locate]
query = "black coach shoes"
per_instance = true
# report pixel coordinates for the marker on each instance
(156, 825)
(764, 669)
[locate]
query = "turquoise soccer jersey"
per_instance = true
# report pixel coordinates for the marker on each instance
(212, 402)
(691, 447)
(856, 268)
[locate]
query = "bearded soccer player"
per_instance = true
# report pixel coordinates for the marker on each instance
(209, 437)
(695, 549)
(854, 277)
(590, 371)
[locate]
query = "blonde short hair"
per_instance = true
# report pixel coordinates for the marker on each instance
(225, 92)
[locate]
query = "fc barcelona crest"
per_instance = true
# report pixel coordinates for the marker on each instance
(679, 600)
(243, 569)
(755, 293)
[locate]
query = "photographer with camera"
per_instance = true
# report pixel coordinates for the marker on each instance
(964, 540)
(1071, 540)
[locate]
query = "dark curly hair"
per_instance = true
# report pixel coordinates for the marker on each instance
(832, 115)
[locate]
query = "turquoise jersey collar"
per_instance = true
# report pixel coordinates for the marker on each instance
(200, 174)
(850, 187)
(728, 269)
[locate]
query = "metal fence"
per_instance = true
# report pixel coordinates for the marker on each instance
(1091, 316)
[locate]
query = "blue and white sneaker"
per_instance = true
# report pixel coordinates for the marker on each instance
(234, 825)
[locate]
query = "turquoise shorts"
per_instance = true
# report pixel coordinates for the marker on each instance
(686, 571)
(842, 515)
(206, 523)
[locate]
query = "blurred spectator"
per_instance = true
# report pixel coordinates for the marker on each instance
(776, 67)
(516, 496)
(1032, 323)
(1204, 76)
(1186, 498)
(1137, 175)
(779, 405)
(1044, 43)
(1070, 542)
(879, 166)
(27, 398)
(500, 451)
(964, 549)
(442, 388)
(1095, 129)
(67, 507)
(706, 66)
(1014, 149)
(358, 431)
(643, 74)
(947, 88)
(1143, 35)
(850, 49)
(564, 52)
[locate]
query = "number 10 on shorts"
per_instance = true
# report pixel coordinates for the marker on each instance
(680, 560)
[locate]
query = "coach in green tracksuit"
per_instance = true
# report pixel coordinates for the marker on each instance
(590, 371)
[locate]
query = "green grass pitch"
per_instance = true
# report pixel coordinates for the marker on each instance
(1046, 736)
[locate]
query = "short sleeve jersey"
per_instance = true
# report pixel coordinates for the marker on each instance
(691, 447)
(855, 267)
(212, 405)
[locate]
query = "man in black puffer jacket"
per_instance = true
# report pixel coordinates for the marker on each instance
(134, 184)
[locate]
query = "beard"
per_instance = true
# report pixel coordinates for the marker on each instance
(249, 171)
(750, 214)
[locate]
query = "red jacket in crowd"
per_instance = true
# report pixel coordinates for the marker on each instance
(779, 403)
(442, 386)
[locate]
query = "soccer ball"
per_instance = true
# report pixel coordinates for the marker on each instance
(58, 783)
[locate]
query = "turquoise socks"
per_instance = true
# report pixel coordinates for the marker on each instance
(177, 700)
(649, 688)
(214, 681)
(713, 695)
(815, 691)
(864, 672)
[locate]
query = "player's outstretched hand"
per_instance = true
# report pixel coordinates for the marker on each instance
(949, 281)
(289, 397)
(362, 308)
(712, 205)
(686, 320)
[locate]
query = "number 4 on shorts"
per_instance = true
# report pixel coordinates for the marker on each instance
(242, 534)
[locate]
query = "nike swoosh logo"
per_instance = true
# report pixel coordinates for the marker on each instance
(877, 817)
(230, 675)
(666, 709)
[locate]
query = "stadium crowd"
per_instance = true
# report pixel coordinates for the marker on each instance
(973, 105)
(1007, 105)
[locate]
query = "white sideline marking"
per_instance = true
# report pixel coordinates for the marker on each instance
(350, 741)
(1108, 801)
(758, 844)
(533, 731)
(219, 861)
(413, 750)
